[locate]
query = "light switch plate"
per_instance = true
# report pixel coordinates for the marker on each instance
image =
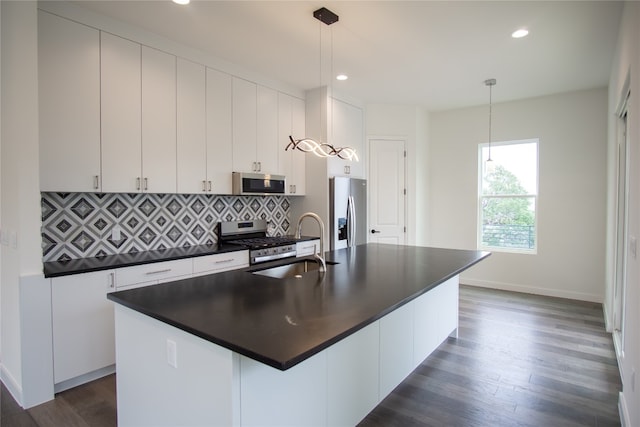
(633, 246)
(172, 353)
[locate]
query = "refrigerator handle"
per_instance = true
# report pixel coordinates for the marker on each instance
(351, 221)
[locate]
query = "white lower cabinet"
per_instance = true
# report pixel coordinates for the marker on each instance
(151, 274)
(83, 324)
(220, 262)
(82, 316)
(308, 248)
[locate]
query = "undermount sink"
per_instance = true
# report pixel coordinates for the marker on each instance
(294, 270)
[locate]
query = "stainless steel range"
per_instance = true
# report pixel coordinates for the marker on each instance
(253, 235)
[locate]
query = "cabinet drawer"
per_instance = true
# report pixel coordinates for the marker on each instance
(220, 262)
(307, 248)
(152, 273)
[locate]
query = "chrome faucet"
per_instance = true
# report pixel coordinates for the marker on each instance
(319, 257)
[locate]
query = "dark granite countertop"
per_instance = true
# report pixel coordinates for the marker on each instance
(281, 322)
(87, 265)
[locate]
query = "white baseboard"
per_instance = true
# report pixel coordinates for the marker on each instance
(531, 290)
(623, 411)
(11, 384)
(83, 379)
(608, 323)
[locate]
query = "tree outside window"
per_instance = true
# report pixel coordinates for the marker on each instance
(507, 200)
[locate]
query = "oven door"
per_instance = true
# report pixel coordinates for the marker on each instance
(257, 184)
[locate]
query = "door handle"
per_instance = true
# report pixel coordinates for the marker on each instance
(374, 231)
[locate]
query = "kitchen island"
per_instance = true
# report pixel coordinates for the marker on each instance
(239, 348)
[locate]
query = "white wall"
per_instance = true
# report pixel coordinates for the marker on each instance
(21, 256)
(626, 65)
(409, 123)
(571, 129)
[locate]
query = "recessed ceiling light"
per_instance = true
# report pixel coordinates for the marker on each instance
(183, 2)
(342, 77)
(518, 34)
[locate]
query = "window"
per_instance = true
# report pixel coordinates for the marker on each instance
(508, 190)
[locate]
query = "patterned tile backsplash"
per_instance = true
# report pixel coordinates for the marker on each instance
(80, 225)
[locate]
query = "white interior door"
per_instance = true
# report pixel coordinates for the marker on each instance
(387, 191)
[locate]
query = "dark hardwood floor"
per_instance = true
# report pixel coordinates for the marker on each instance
(519, 360)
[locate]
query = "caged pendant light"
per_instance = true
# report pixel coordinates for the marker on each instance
(309, 145)
(489, 164)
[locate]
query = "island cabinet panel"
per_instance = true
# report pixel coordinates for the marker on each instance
(436, 317)
(69, 102)
(295, 397)
(353, 375)
(83, 331)
(200, 389)
(396, 347)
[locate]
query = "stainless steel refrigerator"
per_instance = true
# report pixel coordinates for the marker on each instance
(347, 212)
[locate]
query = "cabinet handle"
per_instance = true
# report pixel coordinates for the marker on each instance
(295, 188)
(259, 166)
(204, 185)
(146, 184)
(138, 183)
(166, 270)
(210, 186)
(112, 280)
(223, 261)
(96, 182)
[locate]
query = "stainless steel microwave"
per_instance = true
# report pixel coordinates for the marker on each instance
(245, 183)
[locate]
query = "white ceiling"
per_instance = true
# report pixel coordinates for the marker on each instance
(434, 54)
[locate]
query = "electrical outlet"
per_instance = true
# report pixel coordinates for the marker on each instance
(4, 237)
(172, 353)
(116, 233)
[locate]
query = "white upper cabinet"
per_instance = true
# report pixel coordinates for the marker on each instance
(291, 163)
(267, 137)
(69, 92)
(191, 128)
(158, 121)
(255, 127)
(219, 132)
(298, 158)
(244, 125)
(121, 114)
(346, 130)
(120, 117)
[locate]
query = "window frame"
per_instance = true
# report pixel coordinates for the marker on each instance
(481, 197)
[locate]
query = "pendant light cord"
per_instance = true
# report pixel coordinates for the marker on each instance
(490, 83)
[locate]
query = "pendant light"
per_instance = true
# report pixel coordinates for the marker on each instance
(308, 145)
(489, 164)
